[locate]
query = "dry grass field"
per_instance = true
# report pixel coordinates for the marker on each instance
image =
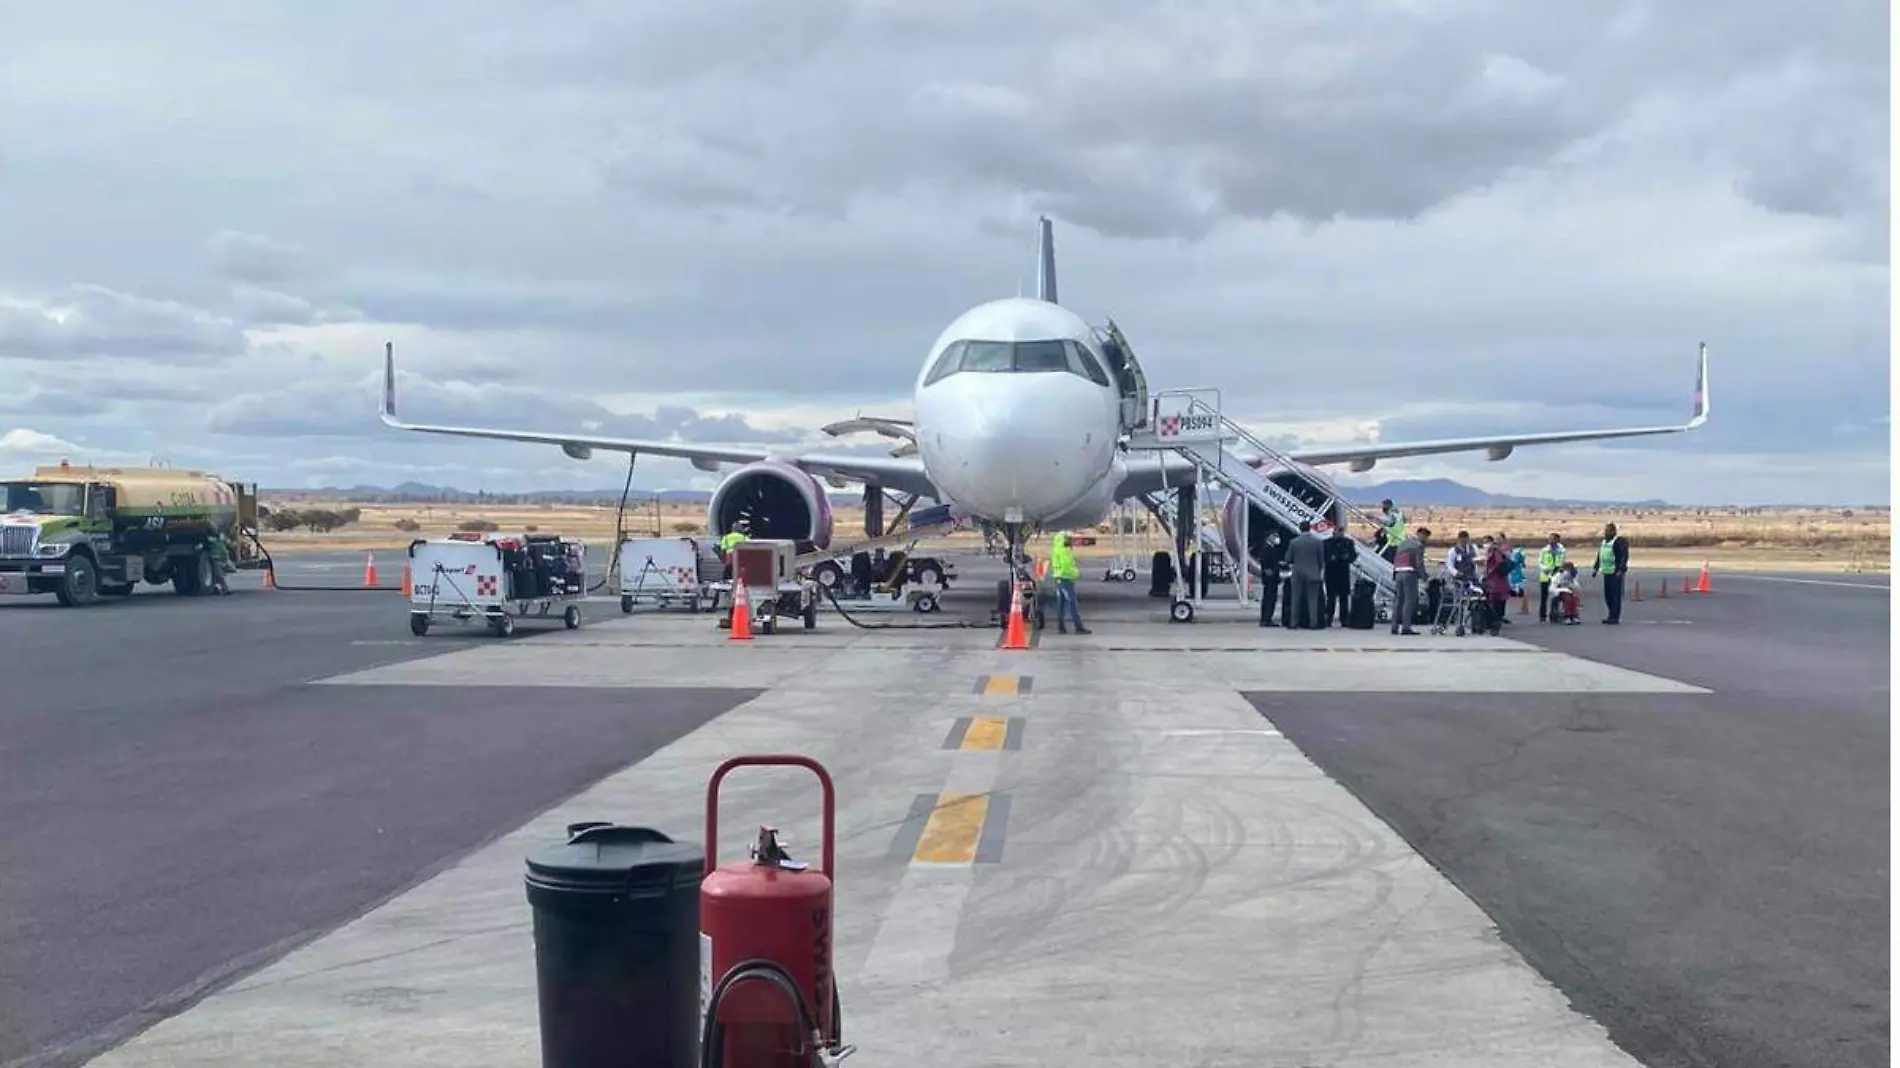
(1839, 540)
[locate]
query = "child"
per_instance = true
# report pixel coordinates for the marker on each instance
(1564, 589)
(1517, 580)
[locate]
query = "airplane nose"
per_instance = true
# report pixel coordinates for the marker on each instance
(1005, 472)
(1001, 443)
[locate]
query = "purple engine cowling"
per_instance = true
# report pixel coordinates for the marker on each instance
(1303, 482)
(783, 503)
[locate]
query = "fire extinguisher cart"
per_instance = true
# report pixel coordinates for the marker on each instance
(768, 994)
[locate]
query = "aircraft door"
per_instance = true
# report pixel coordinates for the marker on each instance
(1128, 377)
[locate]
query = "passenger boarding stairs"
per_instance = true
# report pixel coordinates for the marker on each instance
(1189, 422)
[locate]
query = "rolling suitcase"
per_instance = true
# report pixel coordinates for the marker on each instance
(1359, 609)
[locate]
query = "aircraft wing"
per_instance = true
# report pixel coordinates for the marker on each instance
(904, 474)
(1157, 471)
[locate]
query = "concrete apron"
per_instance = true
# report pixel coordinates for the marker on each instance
(1083, 853)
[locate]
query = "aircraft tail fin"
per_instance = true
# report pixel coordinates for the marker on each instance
(1046, 262)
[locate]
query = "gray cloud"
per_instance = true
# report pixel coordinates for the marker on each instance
(315, 409)
(89, 320)
(1525, 214)
(53, 402)
(254, 258)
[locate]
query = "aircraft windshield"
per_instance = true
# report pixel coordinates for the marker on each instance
(1018, 357)
(46, 498)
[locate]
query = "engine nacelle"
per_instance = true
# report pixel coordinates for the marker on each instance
(783, 503)
(1301, 481)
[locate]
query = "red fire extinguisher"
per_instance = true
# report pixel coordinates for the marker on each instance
(768, 998)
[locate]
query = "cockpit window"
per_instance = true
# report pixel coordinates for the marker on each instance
(991, 356)
(1042, 356)
(1055, 355)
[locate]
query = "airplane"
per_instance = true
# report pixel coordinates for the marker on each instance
(1022, 418)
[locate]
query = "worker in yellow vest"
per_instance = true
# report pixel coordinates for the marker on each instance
(1391, 531)
(1550, 560)
(1063, 569)
(732, 539)
(1613, 563)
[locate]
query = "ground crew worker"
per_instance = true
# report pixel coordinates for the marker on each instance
(1550, 560)
(1393, 531)
(1408, 567)
(218, 555)
(1063, 569)
(740, 532)
(1613, 562)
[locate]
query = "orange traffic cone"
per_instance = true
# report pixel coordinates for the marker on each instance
(405, 580)
(1637, 594)
(1702, 584)
(369, 572)
(1662, 589)
(741, 613)
(1016, 634)
(270, 576)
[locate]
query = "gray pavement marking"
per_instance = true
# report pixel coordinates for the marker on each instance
(911, 831)
(989, 843)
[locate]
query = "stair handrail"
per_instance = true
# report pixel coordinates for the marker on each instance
(1240, 432)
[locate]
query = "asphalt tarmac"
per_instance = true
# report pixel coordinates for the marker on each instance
(180, 807)
(1706, 875)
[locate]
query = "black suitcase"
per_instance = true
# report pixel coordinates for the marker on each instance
(1359, 609)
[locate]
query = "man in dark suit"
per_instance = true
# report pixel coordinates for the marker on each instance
(1272, 550)
(1340, 553)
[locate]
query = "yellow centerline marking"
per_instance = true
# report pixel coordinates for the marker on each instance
(955, 825)
(986, 732)
(1002, 684)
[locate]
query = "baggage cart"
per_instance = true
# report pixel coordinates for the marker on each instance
(494, 579)
(666, 572)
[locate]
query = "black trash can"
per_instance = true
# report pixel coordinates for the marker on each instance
(616, 948)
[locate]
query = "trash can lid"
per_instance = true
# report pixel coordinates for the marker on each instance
(606, 857)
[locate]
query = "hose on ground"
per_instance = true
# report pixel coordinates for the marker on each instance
(713, 1033)
(948, 624)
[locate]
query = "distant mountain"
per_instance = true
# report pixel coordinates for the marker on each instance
(1443, 491)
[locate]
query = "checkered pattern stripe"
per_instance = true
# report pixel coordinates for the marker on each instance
(487, 585)
(1168, 426)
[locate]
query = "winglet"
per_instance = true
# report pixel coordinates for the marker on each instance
(1699, 411)
(389, 385)
(1046, 261)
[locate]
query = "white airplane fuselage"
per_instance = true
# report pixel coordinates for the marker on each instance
(1006, 433)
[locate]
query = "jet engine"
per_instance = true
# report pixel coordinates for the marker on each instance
(783, 503)
(1301, 481)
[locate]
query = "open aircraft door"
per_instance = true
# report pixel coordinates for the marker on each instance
(1128, 376)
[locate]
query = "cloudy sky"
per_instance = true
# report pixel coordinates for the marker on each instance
(736, 221)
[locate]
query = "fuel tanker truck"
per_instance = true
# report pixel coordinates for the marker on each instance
(80, 533)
